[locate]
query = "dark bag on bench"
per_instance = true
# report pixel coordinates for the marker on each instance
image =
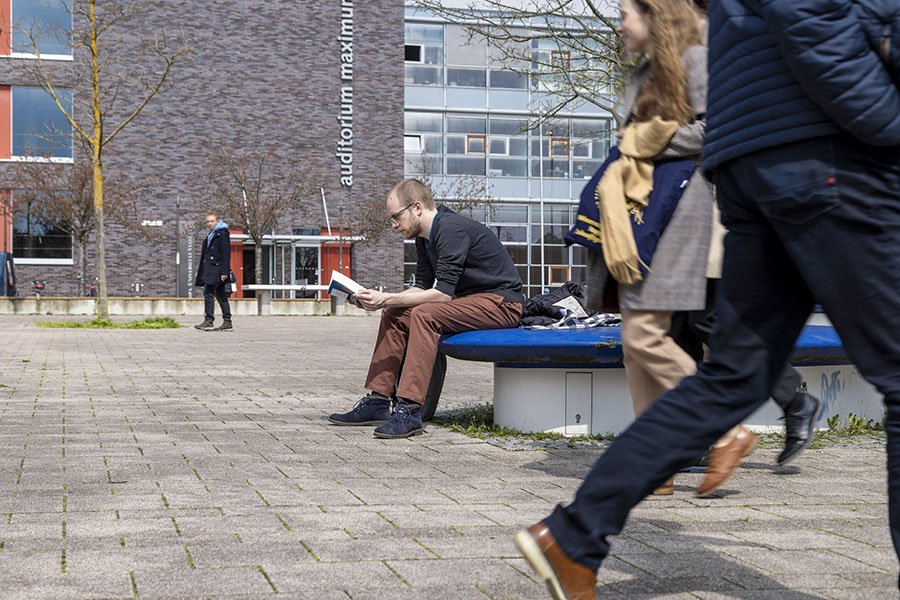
(539, 309)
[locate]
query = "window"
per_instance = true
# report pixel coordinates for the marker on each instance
(518, 146)
(559, 147)
(412, 143)
(558, 275)
(422, 122)
(456, 144)
(595, 128)
(423, 75)
(46, 23)
(508, 167)
(430, 141)
(465, 165)
(465, 49)
(475, 144)
(466, 77)
(553, 167)
(422, 54)
(555, 128)
(423, 32)
(38, 126)
(561, 59)
(500, 146)
(35, 239)
(509, 80)
(413, 53)
(465, 125)
(508, 126)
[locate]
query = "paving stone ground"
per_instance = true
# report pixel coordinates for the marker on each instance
(182, 464)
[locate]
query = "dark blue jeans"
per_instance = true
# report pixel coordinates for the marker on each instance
(211, 293)
(817, 220)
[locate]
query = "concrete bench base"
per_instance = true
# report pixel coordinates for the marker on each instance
(597, 401)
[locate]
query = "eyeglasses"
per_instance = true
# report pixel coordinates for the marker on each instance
(395, 218)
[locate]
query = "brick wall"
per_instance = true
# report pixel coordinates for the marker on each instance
(262, 72)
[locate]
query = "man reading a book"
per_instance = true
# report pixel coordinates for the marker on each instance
(465, 280)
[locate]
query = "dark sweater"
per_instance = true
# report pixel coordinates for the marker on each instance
(464, 257)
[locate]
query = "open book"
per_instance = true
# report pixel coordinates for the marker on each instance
(342, 286)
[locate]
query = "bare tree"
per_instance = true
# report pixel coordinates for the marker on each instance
(116, 75)
(62, 195)
(367, 219)
(569, 48)
(252, 190)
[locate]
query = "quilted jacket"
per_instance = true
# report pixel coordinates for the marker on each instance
(782, 71)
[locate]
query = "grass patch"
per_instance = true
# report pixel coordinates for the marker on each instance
(851, 429)
(477, 421)
(151, 323)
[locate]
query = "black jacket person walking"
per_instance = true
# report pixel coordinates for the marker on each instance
(215, 266)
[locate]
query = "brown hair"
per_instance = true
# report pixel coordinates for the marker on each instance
(673, 29)
(409, 191)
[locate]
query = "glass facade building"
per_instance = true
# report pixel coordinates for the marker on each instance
(468, 116)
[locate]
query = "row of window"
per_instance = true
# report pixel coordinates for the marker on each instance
(451, 44)
(504, 125)
(504, 146)
(445, 54)
(477, 78)
(499, 146)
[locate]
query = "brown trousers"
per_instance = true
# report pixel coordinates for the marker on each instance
(654, 362)
(414, 332)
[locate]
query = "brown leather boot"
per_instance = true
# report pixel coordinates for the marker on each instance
(723, 460)
(666, 489)
(566, 579)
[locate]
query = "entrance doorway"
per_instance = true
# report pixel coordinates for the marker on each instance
(306, 269)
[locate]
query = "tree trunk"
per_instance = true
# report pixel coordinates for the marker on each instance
(102, 293)
(257, 259)
(97, 162)
(82, 265)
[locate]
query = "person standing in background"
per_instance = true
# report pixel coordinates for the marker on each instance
(213, 273)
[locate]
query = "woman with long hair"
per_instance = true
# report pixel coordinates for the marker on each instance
(667, 86)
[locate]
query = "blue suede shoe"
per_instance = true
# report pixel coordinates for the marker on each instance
(372, 409)
(405, 422)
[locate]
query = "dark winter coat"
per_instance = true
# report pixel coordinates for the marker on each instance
(783, 71)
(215, 258)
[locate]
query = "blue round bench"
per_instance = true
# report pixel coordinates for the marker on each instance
(572, 381)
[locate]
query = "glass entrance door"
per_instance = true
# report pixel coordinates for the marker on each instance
(306, 269)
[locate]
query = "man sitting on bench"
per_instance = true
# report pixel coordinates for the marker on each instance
(465, 280)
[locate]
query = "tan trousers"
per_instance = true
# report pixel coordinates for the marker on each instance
(408, 338)
(654, 363)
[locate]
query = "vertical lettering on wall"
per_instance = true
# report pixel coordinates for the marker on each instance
(345, 116)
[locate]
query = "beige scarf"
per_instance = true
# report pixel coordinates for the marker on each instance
(622, 194)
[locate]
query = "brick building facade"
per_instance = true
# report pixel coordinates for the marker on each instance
(264, 73)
